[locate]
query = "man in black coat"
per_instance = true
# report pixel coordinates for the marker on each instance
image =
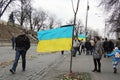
(22, 45)
(111, 46)
(105, 47)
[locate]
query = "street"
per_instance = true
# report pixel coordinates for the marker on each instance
(37, 65)
(49, 66)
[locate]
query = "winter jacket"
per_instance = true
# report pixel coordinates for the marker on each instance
(106, 45)
(76, 43)
(115, 54)
(98, 50)
(22, 42)
(118, 44)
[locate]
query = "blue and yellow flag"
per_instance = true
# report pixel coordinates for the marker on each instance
(55, 39)
(82, 37)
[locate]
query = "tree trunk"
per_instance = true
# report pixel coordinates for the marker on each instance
(5, 8)
(117, 35)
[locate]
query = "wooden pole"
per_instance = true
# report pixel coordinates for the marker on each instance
(86, 17)
(75, 14)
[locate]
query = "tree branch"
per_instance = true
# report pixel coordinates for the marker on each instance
(73, 6)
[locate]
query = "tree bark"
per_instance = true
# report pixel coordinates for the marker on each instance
(5, 8)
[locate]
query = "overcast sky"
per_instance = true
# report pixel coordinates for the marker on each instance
(63, 10)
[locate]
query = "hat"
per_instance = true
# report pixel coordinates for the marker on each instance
(116, 48)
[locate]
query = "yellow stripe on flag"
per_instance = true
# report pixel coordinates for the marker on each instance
(54, 45)
(84, 39)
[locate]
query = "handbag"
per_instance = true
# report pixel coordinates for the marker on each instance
(97, 55)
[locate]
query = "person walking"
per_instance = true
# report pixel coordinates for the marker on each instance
(111, 46)
(82, 46)
(76, 46)
(116, 58)
(105, 47)
(22, 45)
(88, 47)
(13, 42)
(62, 52)
(118, 43)
(92, 42)
(97, 55)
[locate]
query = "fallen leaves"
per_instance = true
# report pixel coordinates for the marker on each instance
(5, 63)
(76, 76)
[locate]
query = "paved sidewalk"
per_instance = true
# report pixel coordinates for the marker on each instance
(84, 63)
(47, 66)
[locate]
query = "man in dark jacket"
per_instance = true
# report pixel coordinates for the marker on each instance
(106, 47)
(111, 46)
(88, 47)
(118, 43)
(22, 45)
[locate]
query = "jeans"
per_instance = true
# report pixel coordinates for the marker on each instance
(17, 56)
(74, 51)
(92, 49)
(115, 64)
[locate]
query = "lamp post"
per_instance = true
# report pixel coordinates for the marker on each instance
(86, 17)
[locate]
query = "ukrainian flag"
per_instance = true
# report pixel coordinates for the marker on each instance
(82, 37)
(55, 39)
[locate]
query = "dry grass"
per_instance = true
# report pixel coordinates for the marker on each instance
(76, 76)
(7, 31)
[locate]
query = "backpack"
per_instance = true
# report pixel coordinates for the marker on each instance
(117, 55)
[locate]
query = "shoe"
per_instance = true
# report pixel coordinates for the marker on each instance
(74, 55)
(115, 70)
(12, 71)
(99, 71)
(23, 69)
(94, 70)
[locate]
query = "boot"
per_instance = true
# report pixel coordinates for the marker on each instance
(94, 70)
(115, 70)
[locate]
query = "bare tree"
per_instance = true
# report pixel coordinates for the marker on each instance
(4, 5)
(58, 23)
(17, 15)
(24, 12)
(71, 21)
(113, 7)
(79, 25)
(11, 19)
(51, 21)
(75, 13)
(39, 18)
(110, 4)
(28, 12)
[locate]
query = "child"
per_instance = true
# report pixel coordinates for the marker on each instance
(116, 59)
